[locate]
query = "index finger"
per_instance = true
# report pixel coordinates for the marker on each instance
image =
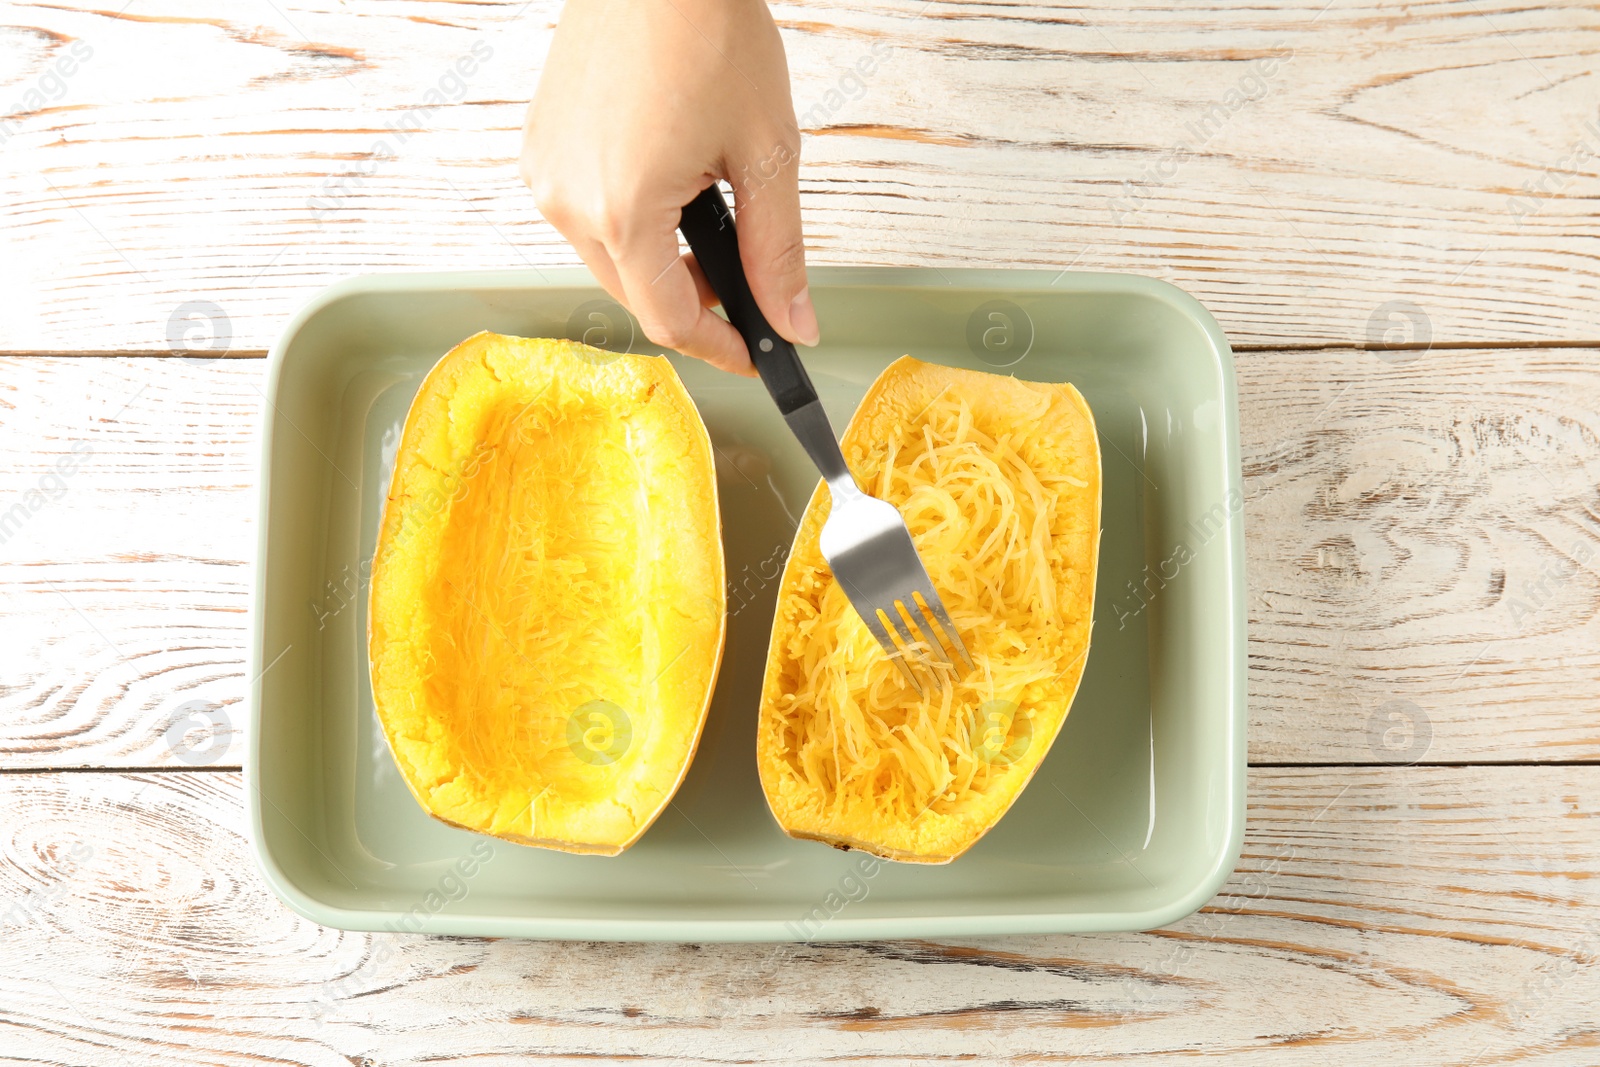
(662, 296)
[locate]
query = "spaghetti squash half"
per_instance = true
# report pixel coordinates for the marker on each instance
(546, 615)
(999, 482)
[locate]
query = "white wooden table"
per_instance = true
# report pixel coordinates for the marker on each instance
(1392, 210)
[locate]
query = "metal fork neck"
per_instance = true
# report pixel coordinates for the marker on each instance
(810, 424)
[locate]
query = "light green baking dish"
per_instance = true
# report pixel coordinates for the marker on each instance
(1133, 820)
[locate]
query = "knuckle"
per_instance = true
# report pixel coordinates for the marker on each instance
(788, 257)
(610, 228)
(777, 137)
(614, 213)
(672, 332)
(789, 147)
(549, 197)
(616, 222)
(785, 150)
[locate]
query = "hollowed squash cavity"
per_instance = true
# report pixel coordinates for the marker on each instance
(546, 616)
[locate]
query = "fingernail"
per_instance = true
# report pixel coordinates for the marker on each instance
(803, 318)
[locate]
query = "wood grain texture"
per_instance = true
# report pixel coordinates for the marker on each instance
(1379, 915)
(1298, 166)
(1423, 537)
(127, 511)
(1422, 523)
(1423, 556)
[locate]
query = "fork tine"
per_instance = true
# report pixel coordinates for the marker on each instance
(910, 618)
(911, 607)
(904, 638)
(875, 624)
(867, 612)
(932, 605)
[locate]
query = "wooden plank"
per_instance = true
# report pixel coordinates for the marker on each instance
(1424, 554)
(1424, 573)
(127, 511)
(1416, 915)
(1305, 168)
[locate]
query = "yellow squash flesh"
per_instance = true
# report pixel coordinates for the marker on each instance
(999, 481)
(546, 616)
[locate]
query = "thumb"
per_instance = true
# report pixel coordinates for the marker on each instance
(767, 207)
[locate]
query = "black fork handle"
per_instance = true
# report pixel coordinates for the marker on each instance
(707, 225)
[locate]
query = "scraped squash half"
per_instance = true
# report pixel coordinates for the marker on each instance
(546, 614)
(999, 481)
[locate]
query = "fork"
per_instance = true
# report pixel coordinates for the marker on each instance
(865, 540)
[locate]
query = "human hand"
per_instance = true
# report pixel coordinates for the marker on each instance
(644, 103)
